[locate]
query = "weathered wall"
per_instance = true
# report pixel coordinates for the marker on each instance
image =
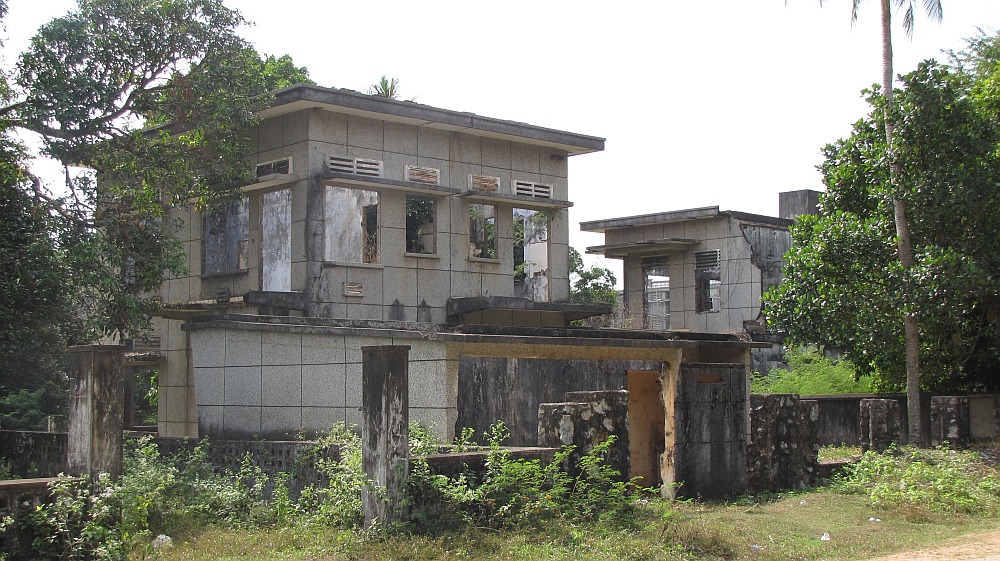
(34, 454)
(706, 415)
(584, 420)
(511, 389)
(782, 452)
(96, 409)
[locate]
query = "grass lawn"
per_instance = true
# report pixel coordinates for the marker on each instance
(789, 527)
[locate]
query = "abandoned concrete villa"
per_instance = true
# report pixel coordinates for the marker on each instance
(379, 222)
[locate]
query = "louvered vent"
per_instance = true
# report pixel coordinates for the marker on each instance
(420, 174)
(355, 166)
(529, 189)
(354, 289)
(483, 182)
(707, 259)
(283, 166)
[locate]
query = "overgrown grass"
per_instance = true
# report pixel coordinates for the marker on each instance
(919, 481)
(839, 453)
(515, 510)
(811, 373)
(786, 528)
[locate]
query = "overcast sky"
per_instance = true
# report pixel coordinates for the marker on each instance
(724, 102)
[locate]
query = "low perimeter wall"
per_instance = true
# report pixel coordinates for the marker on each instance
(839, 423)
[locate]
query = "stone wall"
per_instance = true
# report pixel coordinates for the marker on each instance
(585, 420)
(782, 452)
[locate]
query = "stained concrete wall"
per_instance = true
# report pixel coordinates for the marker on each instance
(511, 389)
(706, 430)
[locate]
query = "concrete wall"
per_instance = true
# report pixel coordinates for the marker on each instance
(706, 430)
(492, 389)
(251, 382)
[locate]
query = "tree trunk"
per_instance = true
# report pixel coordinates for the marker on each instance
(903, 247)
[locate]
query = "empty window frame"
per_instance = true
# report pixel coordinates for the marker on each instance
(656, 293)
(531, 254)
(352, 225)
(482, 231)
(707, 281)
(421, 225)
(226, 235)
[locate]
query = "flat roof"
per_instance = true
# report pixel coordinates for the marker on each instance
(304, 96)
(674, 216)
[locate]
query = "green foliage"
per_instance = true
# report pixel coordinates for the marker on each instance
(917, 480)
(514, 492)
(385, 87)
(87, 84)
(843, 284)
(593, 284)
(811, 373)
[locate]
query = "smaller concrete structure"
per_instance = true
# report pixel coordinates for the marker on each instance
(702, 269)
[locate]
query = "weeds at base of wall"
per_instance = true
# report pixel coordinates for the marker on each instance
(108, 520)
(515, 492)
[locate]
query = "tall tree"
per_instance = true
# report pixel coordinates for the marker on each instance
(903, 242)
(844, 285)
(155, 98)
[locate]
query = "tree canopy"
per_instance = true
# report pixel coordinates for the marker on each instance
(843, 286)
(154, 99)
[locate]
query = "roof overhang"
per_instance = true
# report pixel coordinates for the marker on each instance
(621, 250)
(300, 97)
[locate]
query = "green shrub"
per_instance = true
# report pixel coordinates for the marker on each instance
(811, 373)
(938, 479)
(515, 492)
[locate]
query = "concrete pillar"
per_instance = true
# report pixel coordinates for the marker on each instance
(96, 405)
(586, 419)
(384, 430)
(880, 424)
(950, 420)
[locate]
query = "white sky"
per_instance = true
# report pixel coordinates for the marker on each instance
(726, 102)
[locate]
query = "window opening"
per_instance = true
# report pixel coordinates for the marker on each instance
(656, 293)
(225, 239)
(352, 225)
(708, 282)
(482, 231)
(531, 254)
(421, 228)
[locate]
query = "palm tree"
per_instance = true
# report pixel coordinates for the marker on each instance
(903, 246)
(387, 88)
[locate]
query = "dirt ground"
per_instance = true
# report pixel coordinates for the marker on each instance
(983, 546)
